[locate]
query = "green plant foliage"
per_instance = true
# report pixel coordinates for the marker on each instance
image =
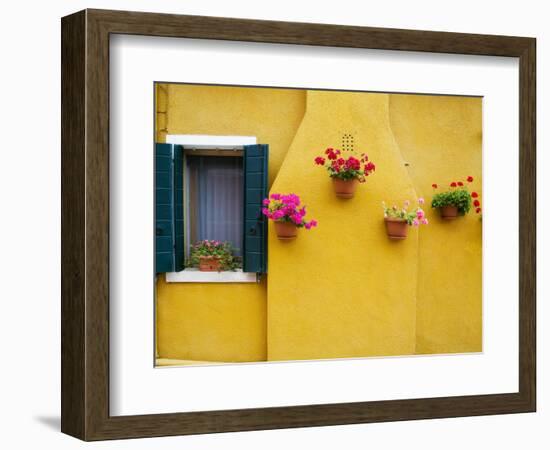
(221, 250)
(459, 197)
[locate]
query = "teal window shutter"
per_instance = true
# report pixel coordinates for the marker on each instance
(168, 208)
(255, 163)
(178, 208)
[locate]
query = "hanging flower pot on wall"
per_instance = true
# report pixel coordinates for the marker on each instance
(396, 228)
(347, 173)
(344, 188)
(286, 231)
(287, 214)
(398, 220)
(456, 200)
(448, 212)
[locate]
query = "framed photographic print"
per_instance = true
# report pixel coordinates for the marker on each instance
(272, 225)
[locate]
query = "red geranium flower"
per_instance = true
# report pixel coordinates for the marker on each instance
(478, 210)
(470, 179)
(434, 186)
(460, 183)
(353, 163)
(320, 160)
(453, 184)
(474, 195)
(476, 203)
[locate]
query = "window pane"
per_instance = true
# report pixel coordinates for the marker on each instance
(216, 199)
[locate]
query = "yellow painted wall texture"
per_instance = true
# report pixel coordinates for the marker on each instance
(441, 137)
(211, 322)
(342, 289)
(221, 322)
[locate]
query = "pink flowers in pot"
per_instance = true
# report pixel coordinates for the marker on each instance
(287, 208)
(398, 220)
(287, 213)
(414, 217)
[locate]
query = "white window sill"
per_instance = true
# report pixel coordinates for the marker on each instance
(196, 276)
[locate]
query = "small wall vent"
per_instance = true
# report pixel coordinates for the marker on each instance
(348, 144)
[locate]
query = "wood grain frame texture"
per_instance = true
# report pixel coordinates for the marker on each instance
(85, 224)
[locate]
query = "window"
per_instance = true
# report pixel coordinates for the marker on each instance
(207, 193)
(214, 200)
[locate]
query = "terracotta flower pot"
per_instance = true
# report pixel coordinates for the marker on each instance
(448, 212)
(397, 229)
(209, 264)
(286, 231)
(344, 188)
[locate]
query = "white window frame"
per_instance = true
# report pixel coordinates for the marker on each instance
(205, 141)
(198, 142)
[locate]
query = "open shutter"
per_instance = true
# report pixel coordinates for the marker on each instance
(178, 209)
(255, 159)
(168, 208)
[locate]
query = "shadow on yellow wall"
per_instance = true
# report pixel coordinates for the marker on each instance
(343, 289)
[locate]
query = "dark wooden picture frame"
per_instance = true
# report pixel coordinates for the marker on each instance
(85, 224)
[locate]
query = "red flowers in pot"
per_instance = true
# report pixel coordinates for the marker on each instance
(456, 200)
(287, 214)
(346, 173)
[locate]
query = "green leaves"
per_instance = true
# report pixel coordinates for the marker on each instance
(459, 197)
(348, 174)
(221, 250)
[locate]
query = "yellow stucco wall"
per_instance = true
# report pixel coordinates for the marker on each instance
(272, 115)
(211, 322)
(343, 289)
(221, 322)
(441, 138)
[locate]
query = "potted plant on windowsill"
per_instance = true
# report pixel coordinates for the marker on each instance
(456, 200)
(398, 220)
(212, 256)
(287, 214)
(347, 173)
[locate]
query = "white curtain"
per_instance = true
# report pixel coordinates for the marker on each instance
(216, 199)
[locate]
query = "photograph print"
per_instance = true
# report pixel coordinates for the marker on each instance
(304, 224)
